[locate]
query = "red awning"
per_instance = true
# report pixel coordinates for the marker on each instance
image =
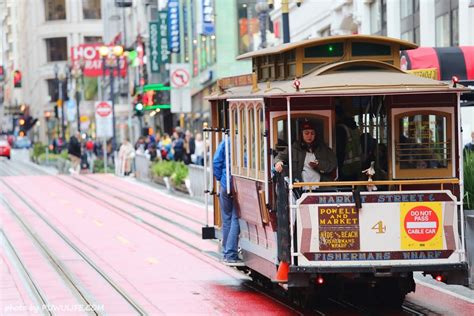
(448, 61)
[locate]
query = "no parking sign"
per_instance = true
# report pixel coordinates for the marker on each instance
(421, 226)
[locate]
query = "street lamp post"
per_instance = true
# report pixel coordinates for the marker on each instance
(60, 81)
(79, 73)
(111, 60)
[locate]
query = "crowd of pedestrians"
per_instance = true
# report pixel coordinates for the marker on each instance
(180, 146)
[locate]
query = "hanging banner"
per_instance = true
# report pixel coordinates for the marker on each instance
(173, 26)
(154, 47)
(163, 37)
(207, 17)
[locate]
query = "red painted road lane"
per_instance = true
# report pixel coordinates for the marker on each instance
(440, 303)
(163, 275)
(97, 287)
(40, 270)
(170, 228)
(152, 195)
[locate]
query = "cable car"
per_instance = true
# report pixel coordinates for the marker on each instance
(396, 211)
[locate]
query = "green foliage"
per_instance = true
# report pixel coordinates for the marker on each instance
(38, 149)
(163, 168)
(469, 180)
(64, 154)
(180, 173)
(99, 166)
(90, 88)
(177, 171)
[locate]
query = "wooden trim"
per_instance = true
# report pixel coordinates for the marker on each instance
(299, 58)
(263, 208)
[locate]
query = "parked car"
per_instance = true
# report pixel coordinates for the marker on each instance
(5, 149)
(22, 142)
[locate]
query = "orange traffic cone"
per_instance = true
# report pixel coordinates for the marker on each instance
(282, 273)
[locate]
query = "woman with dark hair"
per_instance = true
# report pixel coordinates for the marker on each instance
(312, 159)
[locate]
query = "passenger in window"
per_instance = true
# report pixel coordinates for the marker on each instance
(348, 147)
(312, 159)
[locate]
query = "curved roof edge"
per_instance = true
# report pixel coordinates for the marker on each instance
(344, 64)
(404, 45)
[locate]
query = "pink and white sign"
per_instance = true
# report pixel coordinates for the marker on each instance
(89, 54)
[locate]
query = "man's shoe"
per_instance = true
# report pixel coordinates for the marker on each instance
(234, 262)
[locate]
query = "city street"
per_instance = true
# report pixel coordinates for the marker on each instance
(100, 244)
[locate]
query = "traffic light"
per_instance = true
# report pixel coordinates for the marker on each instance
(26, 123)
(17, 79)
(56, 112)
(161, 97)
(139, 109)
(22, 124)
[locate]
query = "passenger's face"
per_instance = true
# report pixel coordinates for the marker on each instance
(309, 135)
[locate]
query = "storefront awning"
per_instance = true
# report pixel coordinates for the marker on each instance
(447, 61)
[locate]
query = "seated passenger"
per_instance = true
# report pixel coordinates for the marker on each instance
(348, 146)
(312, 159)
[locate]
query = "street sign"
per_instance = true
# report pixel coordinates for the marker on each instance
(180, 78)
(71, 110)
(180, 88)
(154, 47)
(421, 225)
(103, 119)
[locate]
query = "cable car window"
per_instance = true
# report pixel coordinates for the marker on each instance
(370, 49)
(252, 142)
(326, 50)
(243, 135)
(261, 133)
(235, 137)
(423, 142)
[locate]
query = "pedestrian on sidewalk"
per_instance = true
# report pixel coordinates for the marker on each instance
(74, 152)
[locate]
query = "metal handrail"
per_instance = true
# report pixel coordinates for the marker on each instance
(376, 182)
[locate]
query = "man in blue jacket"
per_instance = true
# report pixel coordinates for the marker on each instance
(230, 221)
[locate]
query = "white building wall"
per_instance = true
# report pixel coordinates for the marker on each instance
(33, 29)
(466, 23)
(427, 23)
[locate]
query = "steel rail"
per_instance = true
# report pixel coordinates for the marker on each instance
(86, 258)
(39, 296)
(56, 263)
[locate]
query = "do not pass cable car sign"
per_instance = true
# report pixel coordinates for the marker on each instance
(421, 226)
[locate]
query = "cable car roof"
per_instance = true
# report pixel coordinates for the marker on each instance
(359, 77)
(404, 45)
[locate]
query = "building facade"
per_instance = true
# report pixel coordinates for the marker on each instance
(44, 32)
(425, 22)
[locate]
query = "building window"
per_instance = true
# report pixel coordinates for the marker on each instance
(446, 22)
(56, 49)
(91, 9)
(92, 39)
(52, 89)
(378, 17)
(55, 10)
(410, 20)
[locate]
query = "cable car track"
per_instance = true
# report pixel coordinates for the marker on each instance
(39, 296)
(57, 263)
